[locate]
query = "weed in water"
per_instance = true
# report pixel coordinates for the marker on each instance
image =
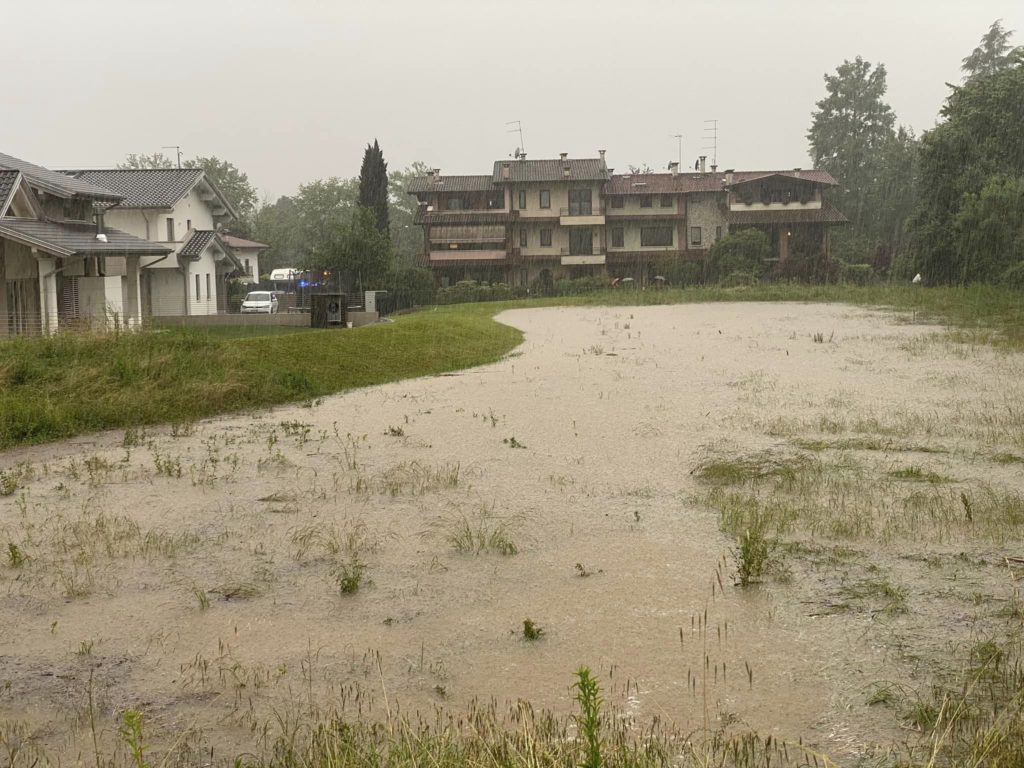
(8, 483)
(483, 532)
(15, 557)
(201, 597)
(85, 648)
(511, 442)
(131, 734)
(532, 631)
(588, 696)
(349, 576)
(917, 474)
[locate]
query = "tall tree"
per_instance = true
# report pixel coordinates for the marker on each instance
(849, 130)
(980, 139)
(233, 184)
(993, 54)
(356, 250)
(406, 235)
(373, 185)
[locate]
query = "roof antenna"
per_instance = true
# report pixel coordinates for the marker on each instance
(175, 147)
(518, 128)
(711, 138)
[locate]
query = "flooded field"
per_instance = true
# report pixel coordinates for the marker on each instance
(612, 482)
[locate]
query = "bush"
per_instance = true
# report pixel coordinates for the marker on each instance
(470, 290)
(746, 251)
(411, 286)
(1013, 277)
(854, 274)
(679, 273)
(580, 286)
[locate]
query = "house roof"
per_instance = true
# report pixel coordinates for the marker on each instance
(241, 242)
(151, 187)
(585, 169)
(8, 183)
(668, 183)
(196, 244)
(450, 184)
(57, 183)
(827, 214)
(74, 238)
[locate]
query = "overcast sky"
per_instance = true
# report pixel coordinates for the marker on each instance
(292, 90)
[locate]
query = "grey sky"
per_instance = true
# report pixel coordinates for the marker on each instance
(293, 91)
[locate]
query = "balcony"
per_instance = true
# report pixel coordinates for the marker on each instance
(580, 217)
(576, 259)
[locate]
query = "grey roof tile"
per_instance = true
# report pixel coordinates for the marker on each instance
(667, 183)
(240, 242)
(55, 182)
(584, 169)
(144, 187)
(71, 238)
(8, 180)
(196, 244)
(450, 184)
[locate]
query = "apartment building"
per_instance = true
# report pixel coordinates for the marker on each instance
(539, 220)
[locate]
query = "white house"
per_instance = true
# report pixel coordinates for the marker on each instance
(60, 265)
(181, 209)
(248, 253)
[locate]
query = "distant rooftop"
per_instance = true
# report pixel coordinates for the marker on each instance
(56, 183)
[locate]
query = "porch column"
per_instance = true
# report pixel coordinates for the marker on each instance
(188, 289)
(133, 302)
(47, 293)
(3, 294)
(783, 244)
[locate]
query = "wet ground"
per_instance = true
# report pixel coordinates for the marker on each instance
(197, 572)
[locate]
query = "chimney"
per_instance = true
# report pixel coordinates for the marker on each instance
(430, 172)
(522, 155)
(564, 156)
(728, 177)
(703, 163)
(601, 153)
(566, 170)
(506, 170)
(796, 172)
(98, 215)
(674, 167)
(714, 167)
(437, 171)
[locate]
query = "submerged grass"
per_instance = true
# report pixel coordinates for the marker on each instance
(54, 388)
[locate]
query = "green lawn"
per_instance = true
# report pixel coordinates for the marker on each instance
(53, 388)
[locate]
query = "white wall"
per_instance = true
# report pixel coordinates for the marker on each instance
(167, 291)
(100, 299)
(206, 269)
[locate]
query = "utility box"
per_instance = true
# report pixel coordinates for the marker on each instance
(328, 310)
(371, 300)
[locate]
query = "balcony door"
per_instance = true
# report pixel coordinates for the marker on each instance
(580, 202)
(581, 241)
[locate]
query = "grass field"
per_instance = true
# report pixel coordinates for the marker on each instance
(54, 388)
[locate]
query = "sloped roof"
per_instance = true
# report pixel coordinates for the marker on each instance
(585, 169)
(8, 183)
(144, 187)
(450, 184)
(827, 214)
(56, 183)
(74, 238)
(196, 244)
(241, 242)
(681, 183)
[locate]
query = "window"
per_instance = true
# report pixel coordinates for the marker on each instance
(208, 286)
(694, 235)
(545, 198)
(522, 199)
(458, 203)
(655, 236)
(718, 233)
(618, 237)
(198, 297)
(666, 201)
(188, 224)
(581, 241)
(618, 202)
(580, 202)
(170, 230)
(248, 269)
(523, 238)
(545, 238)
(646, 201)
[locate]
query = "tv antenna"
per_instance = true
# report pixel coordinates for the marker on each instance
(178, 150)
(710, 137)
(517, 128)
(679, 138)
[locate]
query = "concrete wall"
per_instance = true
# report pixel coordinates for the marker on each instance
(167, 292)
(100, 299)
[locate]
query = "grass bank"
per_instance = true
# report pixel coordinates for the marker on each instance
(58, 387)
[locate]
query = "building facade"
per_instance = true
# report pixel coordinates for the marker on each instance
(534, 221)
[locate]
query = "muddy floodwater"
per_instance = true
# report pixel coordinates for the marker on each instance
(196, 572)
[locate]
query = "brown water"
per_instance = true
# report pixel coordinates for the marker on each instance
(613, 407)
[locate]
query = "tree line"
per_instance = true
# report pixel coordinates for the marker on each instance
(948, 204)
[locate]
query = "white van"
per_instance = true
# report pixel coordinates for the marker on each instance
(260, 301)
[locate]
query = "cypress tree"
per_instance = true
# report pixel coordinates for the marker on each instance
(373, 185)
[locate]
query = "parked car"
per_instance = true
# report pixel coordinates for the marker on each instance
(260, 301)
